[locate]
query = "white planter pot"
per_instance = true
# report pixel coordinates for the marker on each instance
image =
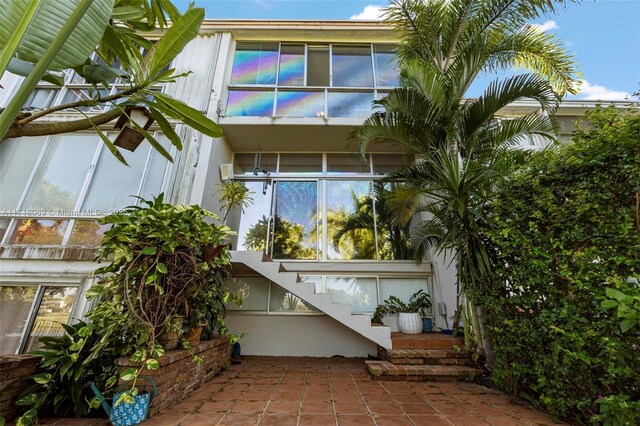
(391, 321)
(410, 323)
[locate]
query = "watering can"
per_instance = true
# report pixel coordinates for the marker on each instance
(127, 413)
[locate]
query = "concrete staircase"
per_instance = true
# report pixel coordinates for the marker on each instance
(422, 357)
(290, 281)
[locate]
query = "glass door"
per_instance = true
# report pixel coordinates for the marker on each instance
(294, 231)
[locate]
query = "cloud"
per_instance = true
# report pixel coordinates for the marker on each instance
(546, 26)
(370, 13)
(594, 92)
(263, 4)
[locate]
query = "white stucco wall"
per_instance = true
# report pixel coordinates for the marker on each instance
(287, 335)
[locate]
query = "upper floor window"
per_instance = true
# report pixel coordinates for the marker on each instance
(272, 79)
(59, 184)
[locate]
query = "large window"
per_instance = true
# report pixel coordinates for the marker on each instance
(363, 292)
(309, 80)
(29, 312)
(59, 184)
(319, 206)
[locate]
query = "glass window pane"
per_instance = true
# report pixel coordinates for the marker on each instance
(300, 104)
(350, 224)
(17, 159)
(387, 71)
(152, 185)
(4, 225)
(41, 98)
(347, 163)
(255, 63)
(115, 185)
(254, 103)
(245, 164)
(403, 288)
(352, 66)
(360, 293)
(75, 95)
(344, 104)
(40, 231)
(252, 229)
(316, 280)
(393, 239)
(295, 220)
(61, 175)
(55, 308)
(291, 65)
(87, 233)
(15, 304)
(283, 301)
(301, 163)
(384, 164)
(318, 66)
(254, 292)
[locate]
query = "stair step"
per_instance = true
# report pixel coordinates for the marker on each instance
(425, 341)
(386, 371)
(423, 356)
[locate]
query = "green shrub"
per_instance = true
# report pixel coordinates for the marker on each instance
(565, 228)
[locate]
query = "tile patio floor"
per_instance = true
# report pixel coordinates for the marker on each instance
(285, 391)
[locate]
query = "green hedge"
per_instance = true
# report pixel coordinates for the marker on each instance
(564, 229)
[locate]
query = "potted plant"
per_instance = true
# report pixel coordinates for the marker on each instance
(409, 313)
(165, 264)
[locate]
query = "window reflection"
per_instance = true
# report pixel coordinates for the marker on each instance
(88, 233)
(55, 308)
(359, 292)
(255, 63)
(15, 304)
(280, 300)
(352, 66)
(40, 231)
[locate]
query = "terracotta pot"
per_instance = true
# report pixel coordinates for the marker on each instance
(169, 339)
(193, 335)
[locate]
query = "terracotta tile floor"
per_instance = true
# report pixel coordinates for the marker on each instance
(319, 391)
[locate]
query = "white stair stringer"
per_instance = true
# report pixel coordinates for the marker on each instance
(274, 271)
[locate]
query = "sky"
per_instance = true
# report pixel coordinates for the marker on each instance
(603, 35)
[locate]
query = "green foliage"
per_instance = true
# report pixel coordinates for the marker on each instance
(233, 194)
(164, 261)
(562, 308)
(68, 363)
(419, 302)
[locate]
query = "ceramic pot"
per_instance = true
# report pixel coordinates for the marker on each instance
(410, 323)
(193, 335)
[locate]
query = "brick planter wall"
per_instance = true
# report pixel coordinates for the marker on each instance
(14, 370)
(178, 374)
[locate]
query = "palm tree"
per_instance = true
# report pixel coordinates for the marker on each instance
(460, 146)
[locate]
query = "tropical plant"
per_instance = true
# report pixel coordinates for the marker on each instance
(287, 239)
(563, 302)
(68, 363)
(355, 232)
(112, 26)
(461, 146)
(164, 261)
(419, 302)
(233, 194)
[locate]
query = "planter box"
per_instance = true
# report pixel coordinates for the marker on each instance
(178, 375)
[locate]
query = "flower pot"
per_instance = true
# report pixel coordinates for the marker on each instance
(169, 339)
(193, 335)
(427, 325)
(391, 321)
(410, 323)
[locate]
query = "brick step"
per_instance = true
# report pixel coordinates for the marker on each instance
(386, 371)
(424, 341)
(423, 356)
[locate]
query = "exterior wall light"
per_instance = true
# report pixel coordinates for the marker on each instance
(129, 138)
